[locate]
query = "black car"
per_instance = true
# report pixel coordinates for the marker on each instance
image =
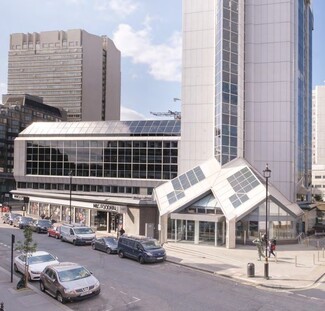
(106, 244)
(22, 222)
(41, 225)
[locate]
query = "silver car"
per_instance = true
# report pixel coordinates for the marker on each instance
(69, 281)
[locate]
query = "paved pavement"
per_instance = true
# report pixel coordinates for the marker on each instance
(295, 267)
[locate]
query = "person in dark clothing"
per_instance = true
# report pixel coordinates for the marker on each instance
(122, 231)
(272, 248)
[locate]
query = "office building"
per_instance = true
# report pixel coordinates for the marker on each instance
(17, 112)
(318, 173)
(103, 172)
(71, 70)
(246, 102)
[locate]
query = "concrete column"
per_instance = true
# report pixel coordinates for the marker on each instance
(231, 233)
(163, 224)
(196, 231)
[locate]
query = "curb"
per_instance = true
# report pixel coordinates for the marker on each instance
(244, 281)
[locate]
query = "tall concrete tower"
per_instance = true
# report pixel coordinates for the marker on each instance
(72, 70)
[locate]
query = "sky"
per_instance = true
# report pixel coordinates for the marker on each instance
(148, 34)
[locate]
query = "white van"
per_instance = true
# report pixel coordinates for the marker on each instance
(77, 234)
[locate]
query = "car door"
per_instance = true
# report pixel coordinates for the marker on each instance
(100, 244)
(50, 279)
(21, 260)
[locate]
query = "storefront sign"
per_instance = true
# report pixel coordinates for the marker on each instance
(111, 208)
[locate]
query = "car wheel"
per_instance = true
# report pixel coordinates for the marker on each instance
(121, 254)
(38, 230)
(16, 268)
(48, 234)
(74, 242)
(57, 237)
(59, 297)
(62, 240)
(108, 250)
(41, 286)
(93, 246)
(141, 260)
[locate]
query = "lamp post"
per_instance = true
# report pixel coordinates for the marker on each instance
(267, 175)
(70, 188)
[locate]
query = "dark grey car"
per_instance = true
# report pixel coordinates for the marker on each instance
(22, 222)
(105, 244)
(69, 281)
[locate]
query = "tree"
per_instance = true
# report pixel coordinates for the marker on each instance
(27, 247)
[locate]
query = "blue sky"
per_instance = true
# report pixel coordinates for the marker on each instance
(148, 34)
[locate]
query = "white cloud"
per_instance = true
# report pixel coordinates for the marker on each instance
(3, 90)
(128, 114)
(164, 60)
(120, 7)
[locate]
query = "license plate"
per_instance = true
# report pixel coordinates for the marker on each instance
(160, 258)
(85, 293)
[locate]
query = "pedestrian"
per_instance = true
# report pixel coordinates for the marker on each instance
(122, 231)
(259, 245)
(272, 245)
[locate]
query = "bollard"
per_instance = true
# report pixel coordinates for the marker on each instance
(250, 269)
(296, 261)
(276, 257)
(1, 307)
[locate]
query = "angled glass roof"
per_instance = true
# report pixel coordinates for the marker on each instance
(242, 182)
(105, 128)
(183, 182)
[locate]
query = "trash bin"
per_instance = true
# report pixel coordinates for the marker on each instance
(250, 270)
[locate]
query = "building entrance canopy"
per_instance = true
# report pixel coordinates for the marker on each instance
(237, 190)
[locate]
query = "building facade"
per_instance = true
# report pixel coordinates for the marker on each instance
(318, 173)
(17, 112)
(99, 173)
(246, 86)
(71, 70)
(246, 102)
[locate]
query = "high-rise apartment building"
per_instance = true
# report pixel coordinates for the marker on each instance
(72, 70)
(246, 88)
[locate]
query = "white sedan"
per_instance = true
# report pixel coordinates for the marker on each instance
(36, 261)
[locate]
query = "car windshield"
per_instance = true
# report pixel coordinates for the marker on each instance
(26, 219)
(111, 241)
(40, 259)
(44, 222)
(83, 230)
(73, 274)
(150, 244)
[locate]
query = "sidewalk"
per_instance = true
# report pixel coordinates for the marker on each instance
(29, 299)
(296, 266)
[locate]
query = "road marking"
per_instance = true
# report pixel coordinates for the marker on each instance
(134, 301)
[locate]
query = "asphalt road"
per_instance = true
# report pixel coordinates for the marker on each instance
(127, 285)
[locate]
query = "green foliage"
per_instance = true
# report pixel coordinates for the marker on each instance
(318, 197)
(27, 246)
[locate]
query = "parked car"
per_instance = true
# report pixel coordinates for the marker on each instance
(36, 261)
(11, 218)
(69, 281)
(77, 234)
(22, 222)
(106, 244)
(140, 248)
(41, 225)
(54, 231)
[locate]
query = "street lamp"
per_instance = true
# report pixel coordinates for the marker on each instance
(267, 175)
(70, 188)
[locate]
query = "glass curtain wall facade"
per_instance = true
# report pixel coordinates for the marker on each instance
(226, 107)
(155, 159)
(305, 27)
